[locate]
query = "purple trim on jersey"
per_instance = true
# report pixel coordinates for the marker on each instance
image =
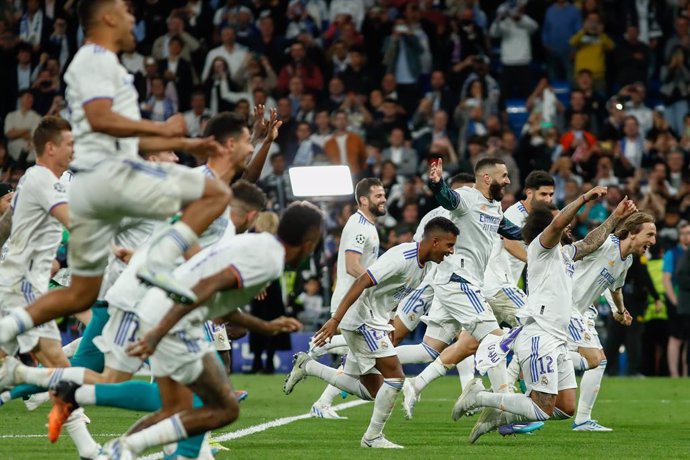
(96, 98)
(540, 243)
(574, 253)
(56, 205)
(373, 278)
(353, 250)
(365, 217)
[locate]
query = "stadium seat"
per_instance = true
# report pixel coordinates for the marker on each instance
(517, 114)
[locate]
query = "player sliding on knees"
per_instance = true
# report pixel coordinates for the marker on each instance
(372, 370)
(541, 345)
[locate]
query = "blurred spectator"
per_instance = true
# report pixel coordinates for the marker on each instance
(311, 300)
(177, 69)
(675, 76)
(675, 264)
(33, 26)
(356, 77)
(158, 107)
(403, 58)
(636, 106)
(306, 111)
(402, 156)
(307, 152)
(277, 184)
(480, 66)
(188, 44)
(300, 66)
(630, 150)
(681, 37)
(591, 45)
(61, 45)
(144, 85)
(233, 54)
(440, 95)
(562, 21)
(514, 28)
(631, 58)
(196, 113)
(24, 71)
(344, 147)
(378, 130)
(132, 60)
(578, 142)
(19, 127)
(300, 20)
(595, 102)
(323, 131)
(355, 9)
(217, 87)
(269, 44)
(438, 132)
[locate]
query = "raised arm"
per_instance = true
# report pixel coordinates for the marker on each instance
(328, 330)
(509, 230)
(552, 234)
(446, 197)
(256, 165)
(596, 237)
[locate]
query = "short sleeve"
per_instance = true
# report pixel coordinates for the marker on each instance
(386, 266)
(99, 82)
(354, 238)
(466, 197)
(252, 268)
(48, 196)
(570, 250)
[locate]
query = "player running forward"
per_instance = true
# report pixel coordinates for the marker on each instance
(458, 303)
(372, 369)
(603, 270)
(224, 277)
(359, 248)
(39, 212)
(112, 182)
(541, 345)
(508, 258)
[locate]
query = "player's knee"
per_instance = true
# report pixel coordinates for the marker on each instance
(593, 360)
(229, 412)
(567, 408)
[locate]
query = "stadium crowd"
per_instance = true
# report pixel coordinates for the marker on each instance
(594, 92)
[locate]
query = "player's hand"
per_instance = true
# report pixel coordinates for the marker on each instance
(623, 318)
(284, 324)
(146, 346)
(174, 126)
(596, 193)
(206, 147)
(436, 170)
(124, 254)
(323, 335)
(625, 208)
(261, 295)
(260, 125)
(273, 126)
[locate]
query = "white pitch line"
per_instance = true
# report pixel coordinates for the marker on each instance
(264, 426)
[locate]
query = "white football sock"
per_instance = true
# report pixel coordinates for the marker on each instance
(76, 428)
(338, 379)
(328, 395)
(17, 322)
(5, 397)
(498, 376)
(430, 373)
(85, 395)
(383, 406)
(71, 348)
(419, 353)
(515, 403)
(45, 377)
(173, 244)
(579, 361)
(466, 371)
(589, 390)
(163, 432)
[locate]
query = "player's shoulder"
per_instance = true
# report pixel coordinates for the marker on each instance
(40, 176)
(358, 220)
(516, 212)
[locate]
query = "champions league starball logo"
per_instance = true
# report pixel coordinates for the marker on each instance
(360, 239)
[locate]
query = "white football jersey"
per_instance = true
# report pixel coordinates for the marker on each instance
(602, 270)
(96, 73)
(256, 259)
(221, 225)
(478, 220)
(550, 273)
(36, 234)
(436, 212)
(360, 236)
(504, 270)
(395, 274)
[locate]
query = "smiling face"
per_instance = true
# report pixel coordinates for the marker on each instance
(443, 245)
(644, 239)
(375, 202)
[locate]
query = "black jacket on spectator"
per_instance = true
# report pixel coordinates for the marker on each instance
(184, 80)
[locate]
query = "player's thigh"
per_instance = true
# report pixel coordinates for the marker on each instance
(180, 355)
(366, 346)
(89, 249)
(48, 353)
(47, 335)
(566, 401)
(466, 304)
(505, 305)
(159, 190)
(390, 367)
(175, 397)
(122, 330)
(213, 387)
(441, 327)
(415, 305)
(538, 355)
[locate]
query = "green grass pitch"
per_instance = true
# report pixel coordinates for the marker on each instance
(650, 418)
